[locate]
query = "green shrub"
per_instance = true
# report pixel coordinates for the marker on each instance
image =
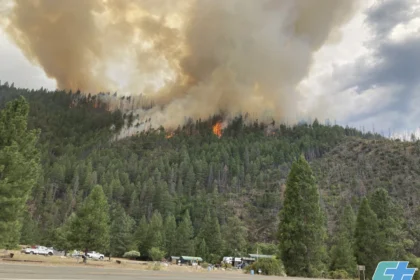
(339, 274)
(156, 254)
(413, 262)
(204, 265)
(131, 255)
(227, 265)
(213, 258)
(267, 266)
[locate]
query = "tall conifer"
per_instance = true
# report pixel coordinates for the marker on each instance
(19, 168)
(302, 230)
(342, 256)
(185, 244)
(90, 227)
(367, 238)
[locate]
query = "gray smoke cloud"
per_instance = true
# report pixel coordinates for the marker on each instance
(195, 58)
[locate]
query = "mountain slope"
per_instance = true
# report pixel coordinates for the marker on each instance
(356, 167)
(241, 174)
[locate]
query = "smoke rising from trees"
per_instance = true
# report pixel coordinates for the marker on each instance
(195, 58)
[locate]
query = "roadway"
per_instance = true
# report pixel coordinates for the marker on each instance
(32, 272)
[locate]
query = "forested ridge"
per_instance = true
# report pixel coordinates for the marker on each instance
(196, 193)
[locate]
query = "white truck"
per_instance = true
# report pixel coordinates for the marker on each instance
(39, 250)
(95, 255)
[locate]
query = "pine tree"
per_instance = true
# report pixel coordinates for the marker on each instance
(202, 250)
(185, 233)
(141, 235)
(170, 234)
(367, 238)
(189, 181)
(390, 225)
(156, 234)
(301, 230)
(19, 168)
(342, 251)
(235, 236)
(210, 232)
(62, 235)
(29, 233)
(90, 228)
(121, 232)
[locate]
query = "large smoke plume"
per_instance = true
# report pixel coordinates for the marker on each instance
(195, 58)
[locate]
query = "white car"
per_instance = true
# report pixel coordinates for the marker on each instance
(39, 250)
(95, 255)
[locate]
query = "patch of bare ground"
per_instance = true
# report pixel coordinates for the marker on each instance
(119, 263)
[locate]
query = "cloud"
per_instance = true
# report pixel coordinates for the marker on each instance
(380, 85)
(396, 62)
(384, 15)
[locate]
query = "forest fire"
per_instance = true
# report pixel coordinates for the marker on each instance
(217, 129)
(169, 135)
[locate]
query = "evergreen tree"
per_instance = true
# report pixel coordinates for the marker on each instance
(367, 238)
(210, 232)
(141, 235)
(90, 227)
(202, 250)
(62, 235)
(342, 251)
(235, 237)
(170, 234)
(29, 233)
(19, 169)
(390, 224)
(156, 234)
(121, 232)
(301, 229)
(185, 233)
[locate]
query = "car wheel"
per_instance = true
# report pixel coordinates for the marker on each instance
(101, 258)
(50, 253)
(31, 253)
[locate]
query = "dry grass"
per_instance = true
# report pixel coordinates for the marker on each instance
(125, 264)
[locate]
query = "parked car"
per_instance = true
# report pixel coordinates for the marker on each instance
(39, 250)
(95, 255)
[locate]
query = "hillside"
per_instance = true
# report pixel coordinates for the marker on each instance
(357, 166)
(242, 174)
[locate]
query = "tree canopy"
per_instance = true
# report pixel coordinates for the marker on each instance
(90, 228)
(188, 191)
(19, 168)
(302, 231)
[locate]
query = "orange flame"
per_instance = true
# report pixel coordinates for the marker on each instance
(217, 129)
(169, 135)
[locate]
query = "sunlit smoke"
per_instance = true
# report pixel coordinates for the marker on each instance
(194, 58)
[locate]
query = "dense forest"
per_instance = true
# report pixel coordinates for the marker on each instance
(193, 192)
